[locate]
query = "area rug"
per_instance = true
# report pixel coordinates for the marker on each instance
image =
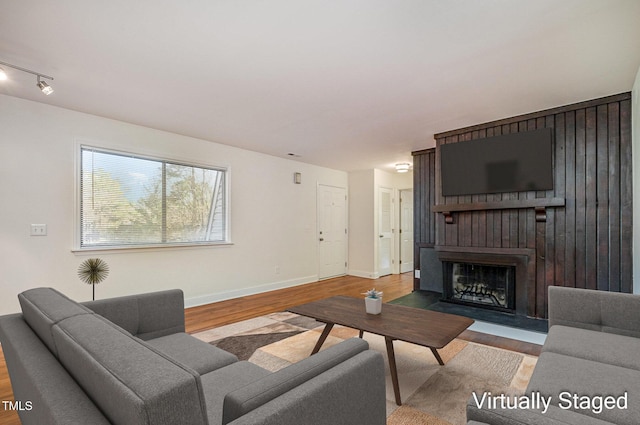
(431, 394)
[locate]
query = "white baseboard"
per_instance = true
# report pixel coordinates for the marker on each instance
(227, 295)
(364, 274)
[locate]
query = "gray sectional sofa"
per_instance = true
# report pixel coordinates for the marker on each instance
(128, 361)
(591, 354)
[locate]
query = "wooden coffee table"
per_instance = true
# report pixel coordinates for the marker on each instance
(422, 327)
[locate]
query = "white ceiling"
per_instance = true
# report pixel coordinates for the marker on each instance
(346, 84)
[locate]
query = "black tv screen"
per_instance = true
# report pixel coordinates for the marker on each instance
(508, 163)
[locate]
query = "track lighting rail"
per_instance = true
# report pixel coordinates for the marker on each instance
(46, 88)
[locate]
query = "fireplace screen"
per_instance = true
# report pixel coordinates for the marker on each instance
(480, 284)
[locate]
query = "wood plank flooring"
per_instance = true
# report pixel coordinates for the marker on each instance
(243, 308)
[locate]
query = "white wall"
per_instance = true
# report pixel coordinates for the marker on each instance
(635, 152)
(273, 221)
(363, 218)
(361, 224)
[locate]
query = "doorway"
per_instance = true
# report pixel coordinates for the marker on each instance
(332, 231)
(385, 231)
(406, 230)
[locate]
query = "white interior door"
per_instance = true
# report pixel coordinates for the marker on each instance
(385, 231)
(406, 230)
(332, 231)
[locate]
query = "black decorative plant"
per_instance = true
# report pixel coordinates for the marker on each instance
(93, 271)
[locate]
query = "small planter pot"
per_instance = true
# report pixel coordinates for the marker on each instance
(373, 305)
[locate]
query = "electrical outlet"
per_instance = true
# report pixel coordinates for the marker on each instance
(38, 230)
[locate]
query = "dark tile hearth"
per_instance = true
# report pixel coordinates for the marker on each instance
(432, 301)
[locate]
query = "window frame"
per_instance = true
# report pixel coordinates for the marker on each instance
(181, 161)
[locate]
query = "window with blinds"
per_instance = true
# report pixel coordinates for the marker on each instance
(128, 200)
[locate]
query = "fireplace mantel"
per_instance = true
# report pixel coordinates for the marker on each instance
(539, 204)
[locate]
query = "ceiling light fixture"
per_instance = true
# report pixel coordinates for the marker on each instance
(46, 88)
(403, 167)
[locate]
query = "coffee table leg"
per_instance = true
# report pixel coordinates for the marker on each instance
(437, 356)
(323, 337)
(392, 368)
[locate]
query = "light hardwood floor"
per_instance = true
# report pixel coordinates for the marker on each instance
(238, 309)
(243, 308)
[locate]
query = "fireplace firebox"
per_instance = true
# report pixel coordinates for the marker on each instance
(482, 285)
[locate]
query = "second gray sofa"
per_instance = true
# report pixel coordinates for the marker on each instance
(128, 361)
(591, 351)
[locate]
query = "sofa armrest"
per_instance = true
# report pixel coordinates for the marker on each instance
(553, 416)
(352, 392)
(146, 316)
(316, 372)
(603, 311)
(38, 378)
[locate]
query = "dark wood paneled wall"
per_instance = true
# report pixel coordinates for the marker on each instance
(424, 196)
(584, 244)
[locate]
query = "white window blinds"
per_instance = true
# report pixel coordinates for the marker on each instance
(127, 200)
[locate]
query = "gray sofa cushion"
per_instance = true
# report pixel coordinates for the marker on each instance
(245, 399)
(596, 310)
(557, 373)
(601, 347)
(146, 316)
(192, 352)
(123, 313)
(42, 308)
(129, 382)
(218, 383)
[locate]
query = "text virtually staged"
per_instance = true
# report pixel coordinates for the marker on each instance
(566, 401)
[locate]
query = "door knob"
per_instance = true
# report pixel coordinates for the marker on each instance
(321, 239)
(382, 236)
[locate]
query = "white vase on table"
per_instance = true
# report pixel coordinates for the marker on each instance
(373, 305)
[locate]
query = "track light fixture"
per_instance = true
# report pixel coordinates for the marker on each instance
(46, 88)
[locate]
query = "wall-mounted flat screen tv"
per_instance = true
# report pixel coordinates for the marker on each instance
(508, 163)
